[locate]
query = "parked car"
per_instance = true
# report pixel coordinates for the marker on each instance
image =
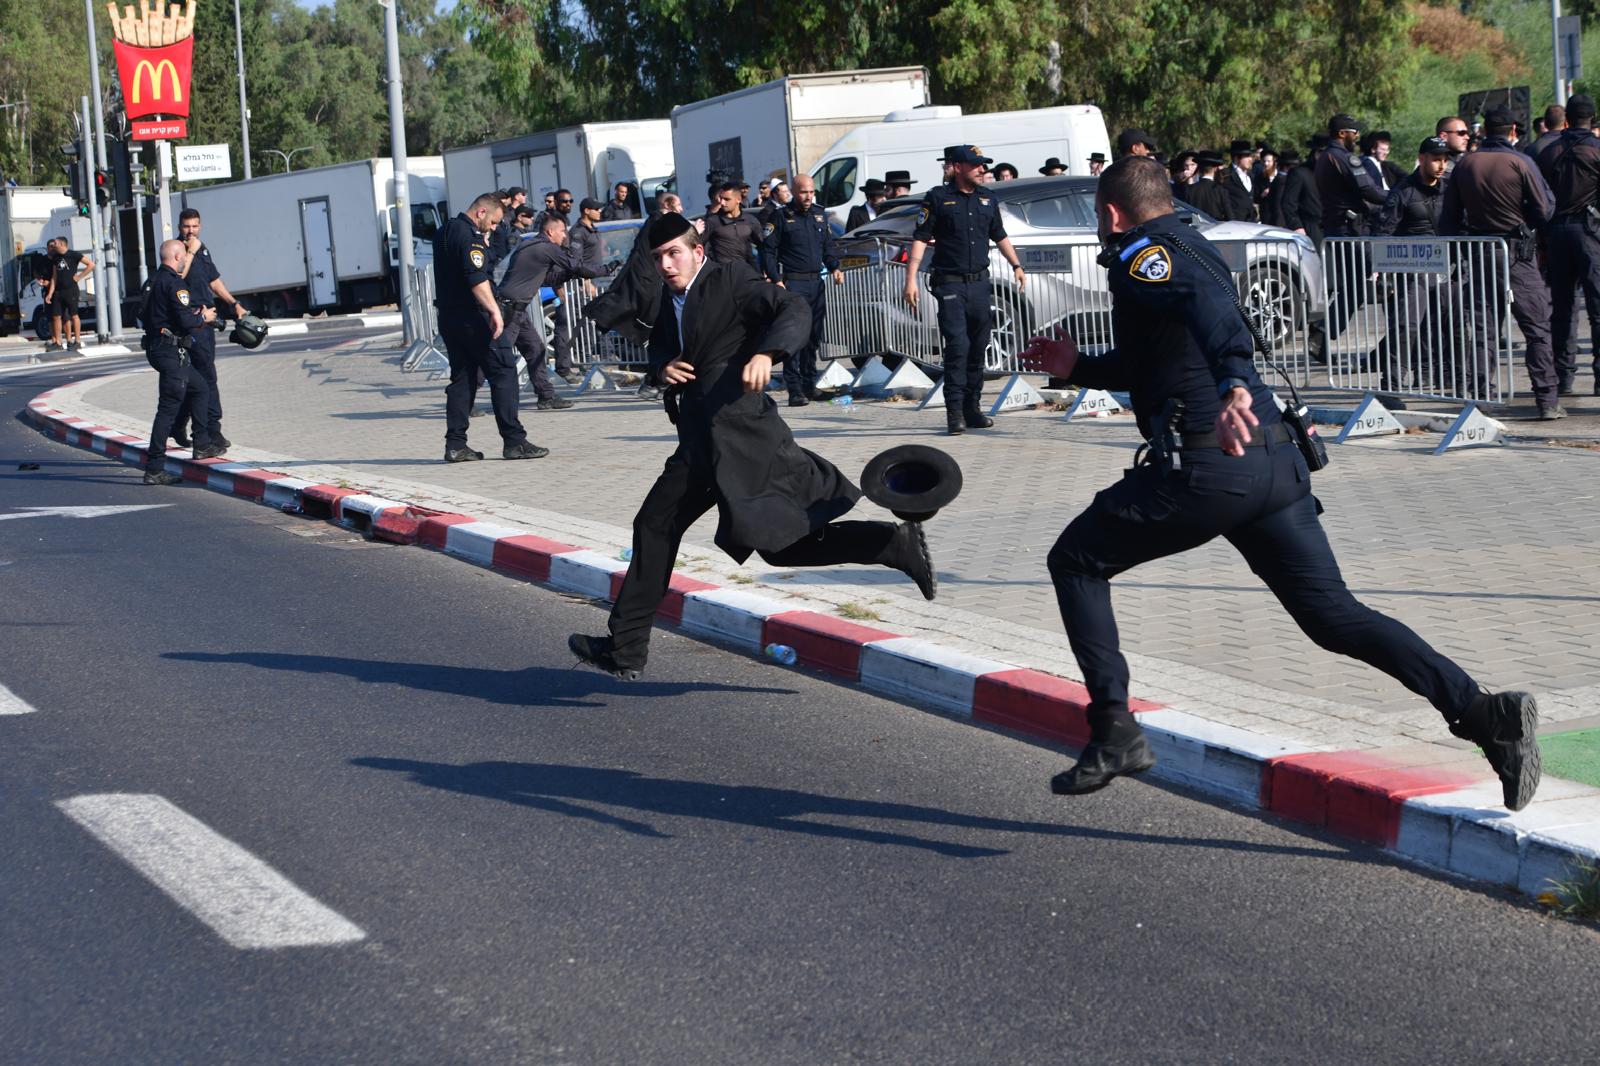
(1051, 222)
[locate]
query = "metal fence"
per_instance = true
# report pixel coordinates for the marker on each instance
(1424, 317)
(1279, 282)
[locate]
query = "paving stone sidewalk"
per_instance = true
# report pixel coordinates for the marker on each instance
(1485, 553)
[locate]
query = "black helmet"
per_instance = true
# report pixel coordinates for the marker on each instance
(249, 332)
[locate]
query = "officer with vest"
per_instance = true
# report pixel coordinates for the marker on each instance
(1570, 162)
(798, 247)
(469, 322)
(174, 320)
(1220, 462)
(961, 218)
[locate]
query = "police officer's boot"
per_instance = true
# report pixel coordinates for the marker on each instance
(974, 417)
(1116, 747)
(954, 423)
(1503, 725)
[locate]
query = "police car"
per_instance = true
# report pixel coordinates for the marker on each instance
(1051, 222)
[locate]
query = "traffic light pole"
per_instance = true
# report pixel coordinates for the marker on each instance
(86, 161)
(110, 322)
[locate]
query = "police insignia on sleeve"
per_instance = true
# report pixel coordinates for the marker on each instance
(183, 297)
(1152, 264)
(770, 226)
(476, 255)
(922, 216)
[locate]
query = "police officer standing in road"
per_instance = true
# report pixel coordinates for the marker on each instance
(1570, 163)
(798, 248)
(206, 287)
(1220, 462)
(469, 322)
(173, 319)
(1497, 191)
(961, 218)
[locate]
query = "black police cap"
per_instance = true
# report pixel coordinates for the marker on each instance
(1499, 118)
(1343, 121)
(1580, 105)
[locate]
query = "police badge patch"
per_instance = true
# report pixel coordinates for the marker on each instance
(183, 297)
(1152, 264)
(922, 216)
(476, 255)
(770, 226)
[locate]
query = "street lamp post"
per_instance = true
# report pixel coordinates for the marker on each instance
(402, 180)
(287, 157)
(244, 110)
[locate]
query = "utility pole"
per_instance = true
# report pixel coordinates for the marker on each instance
(244, 109)
(91, 193)
(402, 180)
(1555, 51)
(111, 323)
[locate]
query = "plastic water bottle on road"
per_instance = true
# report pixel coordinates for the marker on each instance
(781, 653)
(846, 401)
(627, 555)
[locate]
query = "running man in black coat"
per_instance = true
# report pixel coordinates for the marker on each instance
(719, 330)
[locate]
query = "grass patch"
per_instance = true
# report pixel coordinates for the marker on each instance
(1576, 897)
(741, 579)
(857, 613)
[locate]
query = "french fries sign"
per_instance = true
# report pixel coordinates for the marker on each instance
(154, 46)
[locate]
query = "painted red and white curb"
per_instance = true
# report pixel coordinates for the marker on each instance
(1432, 805)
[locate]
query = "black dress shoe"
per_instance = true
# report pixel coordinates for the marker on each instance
(976, 420)
(908, 553)
(599, 652)
(525, 450)
(461, 455)
(799, 401)
(1101, 763)
(1503, 724)
(161, 477)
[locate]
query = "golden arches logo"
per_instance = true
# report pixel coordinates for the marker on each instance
(155, 71)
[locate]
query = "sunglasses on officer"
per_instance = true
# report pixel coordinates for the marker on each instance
(563, 199)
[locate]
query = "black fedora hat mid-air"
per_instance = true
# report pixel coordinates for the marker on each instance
(913, 481)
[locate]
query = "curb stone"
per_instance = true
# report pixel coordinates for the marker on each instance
(1445, 815)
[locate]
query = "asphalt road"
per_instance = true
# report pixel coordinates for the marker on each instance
(730, 862)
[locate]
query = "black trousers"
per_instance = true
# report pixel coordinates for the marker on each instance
(1262, 503)
(180, 382)
(966, 317)
(1530, 306)
(563, 335)
(472, 353)
(208, 409)
(800, 369)
(521, 337)
(1574, 262)
(677, 500)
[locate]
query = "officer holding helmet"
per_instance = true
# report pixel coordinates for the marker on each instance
(174, 319)
(961, 217)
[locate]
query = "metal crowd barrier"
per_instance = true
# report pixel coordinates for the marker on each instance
(1279, 283)
(1424, 317)
(590, 344)
(427, 351)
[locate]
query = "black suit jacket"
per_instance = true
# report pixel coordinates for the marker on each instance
(769, 491)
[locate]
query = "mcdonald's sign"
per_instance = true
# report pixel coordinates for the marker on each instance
(154, 46)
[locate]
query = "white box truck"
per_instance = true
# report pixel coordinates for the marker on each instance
(30, 216)
(782, 128)
(318, 239)
(915, 139)
(589, 160)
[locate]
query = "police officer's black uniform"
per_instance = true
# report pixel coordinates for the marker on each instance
(173, 323)
(961, 225)
(461, 262)
(1414, 310)
(797, 247)
(201, 273)
(1351, 201)
(535, 262)
(1182, 345)
(1571, 165)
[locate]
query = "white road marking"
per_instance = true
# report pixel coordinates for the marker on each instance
(80, 512)
(11, 703)
(245, 901)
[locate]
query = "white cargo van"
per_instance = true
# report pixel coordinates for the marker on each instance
(915, 138)
(781, 128)
(589, 160)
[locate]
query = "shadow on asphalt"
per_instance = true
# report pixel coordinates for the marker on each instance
(561, 789)
(531, 686)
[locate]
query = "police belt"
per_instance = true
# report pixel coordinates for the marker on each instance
(1278, 433)
(940, 275)
(513, 306)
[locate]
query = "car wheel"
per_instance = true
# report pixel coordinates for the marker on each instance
(41, 323)
(1009, 331)
(1276, 301)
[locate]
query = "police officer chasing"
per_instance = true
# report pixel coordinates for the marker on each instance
(469, 322)
(798, 248)
(1497, 191)
(173, 318)
(1220, 462)
(961, 218)
(1570, 162)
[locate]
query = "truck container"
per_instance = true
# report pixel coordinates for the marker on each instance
(589, 160)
